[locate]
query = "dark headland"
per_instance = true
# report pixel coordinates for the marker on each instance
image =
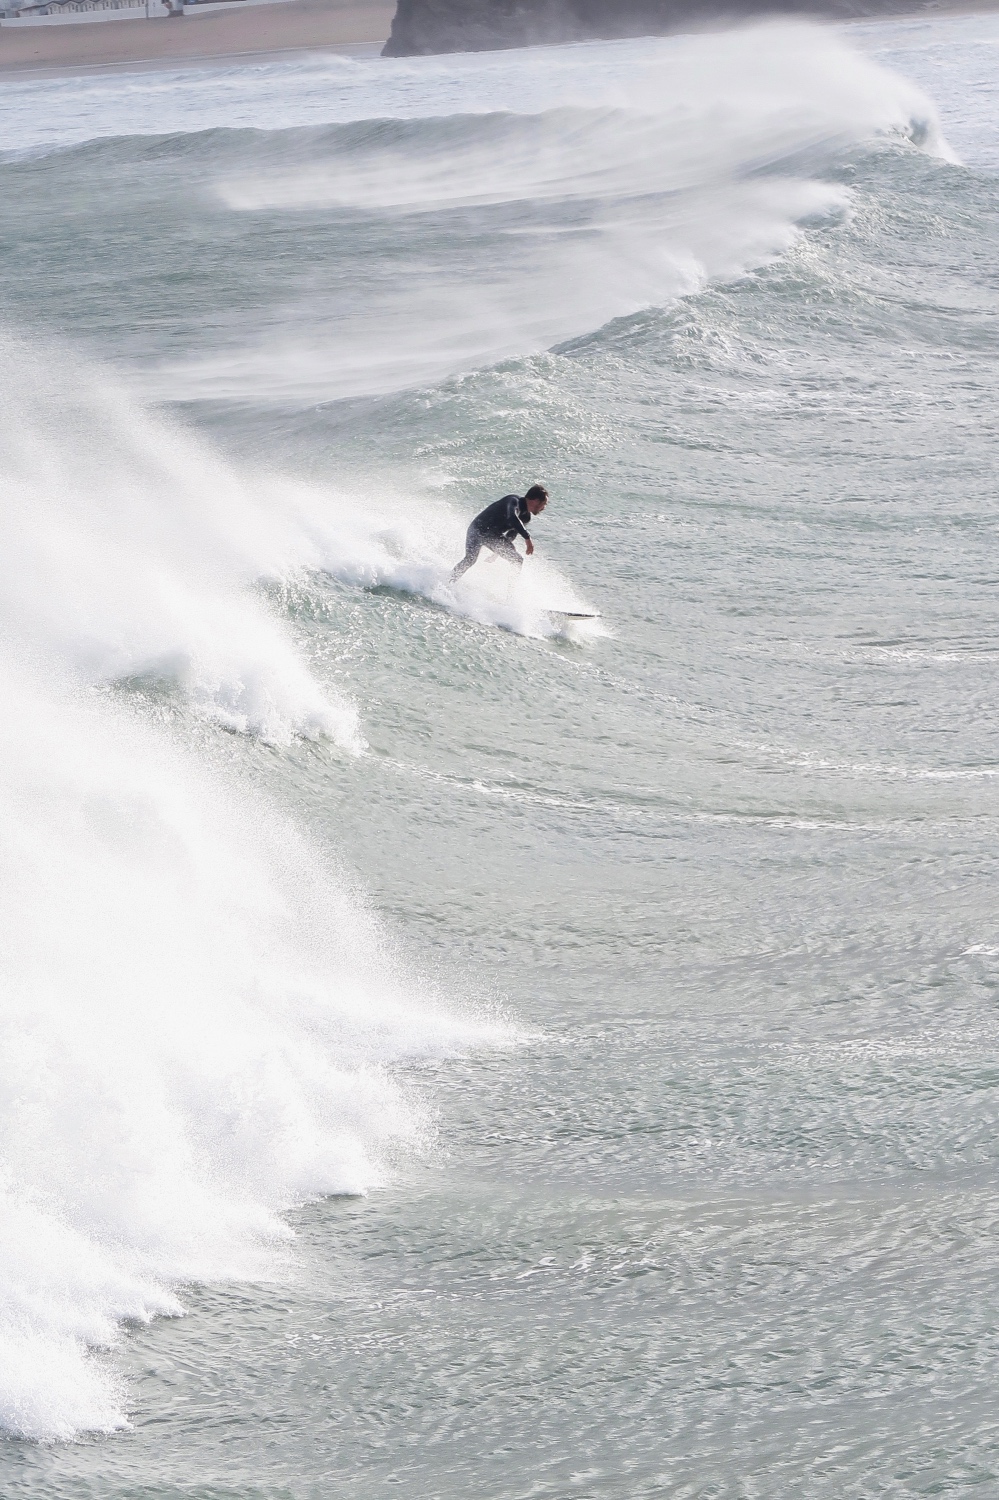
(210, 32)
(424, 26)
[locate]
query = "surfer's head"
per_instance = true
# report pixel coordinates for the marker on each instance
(537, 499)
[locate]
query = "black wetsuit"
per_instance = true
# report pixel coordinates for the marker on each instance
(495, 528)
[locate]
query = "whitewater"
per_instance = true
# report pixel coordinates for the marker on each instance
(445, 1045)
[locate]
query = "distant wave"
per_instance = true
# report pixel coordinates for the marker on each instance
(803, 61)
(543, 221)
(444, 214)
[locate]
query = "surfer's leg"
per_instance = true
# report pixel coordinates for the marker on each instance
(473, 546)
(503, 547)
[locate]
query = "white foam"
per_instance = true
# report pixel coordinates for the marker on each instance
(197, 1011)
(128, 548)
(537, 288)
(197, 1016)
(384, 540)
(953, 57)
(691, 111)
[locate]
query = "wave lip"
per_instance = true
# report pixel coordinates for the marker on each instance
(541, 221)
(703, 107)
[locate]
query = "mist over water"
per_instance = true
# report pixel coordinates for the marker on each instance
(197, 1016)
(446, 1045)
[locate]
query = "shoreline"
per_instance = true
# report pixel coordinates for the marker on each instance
(279, 29)
(286, 27)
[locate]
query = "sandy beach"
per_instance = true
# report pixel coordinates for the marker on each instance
(257, 29)
(292, 25)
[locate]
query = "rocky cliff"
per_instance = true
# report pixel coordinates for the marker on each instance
(422, 26)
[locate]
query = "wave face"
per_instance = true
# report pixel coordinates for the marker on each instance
(483, 214)
(271, 335)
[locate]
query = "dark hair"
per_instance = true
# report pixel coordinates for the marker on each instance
(536, 492)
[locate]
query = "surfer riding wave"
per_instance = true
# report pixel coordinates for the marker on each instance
(498, 525)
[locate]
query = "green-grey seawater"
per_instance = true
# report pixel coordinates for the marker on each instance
(642, 975)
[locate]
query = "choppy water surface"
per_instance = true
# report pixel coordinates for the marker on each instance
(641, 974)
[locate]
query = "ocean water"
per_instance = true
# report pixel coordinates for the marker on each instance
(446, 1050)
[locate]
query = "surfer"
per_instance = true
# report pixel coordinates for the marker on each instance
(498, 524)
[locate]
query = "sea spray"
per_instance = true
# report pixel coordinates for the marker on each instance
(133, 551)
(197, 1016)
(202, 1019)
(400, 222)
(130, 550)
(198, 1009)
(561, 209)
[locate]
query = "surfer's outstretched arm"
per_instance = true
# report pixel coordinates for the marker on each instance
(536, 499)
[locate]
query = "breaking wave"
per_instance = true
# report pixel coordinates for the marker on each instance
(200, 1015)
